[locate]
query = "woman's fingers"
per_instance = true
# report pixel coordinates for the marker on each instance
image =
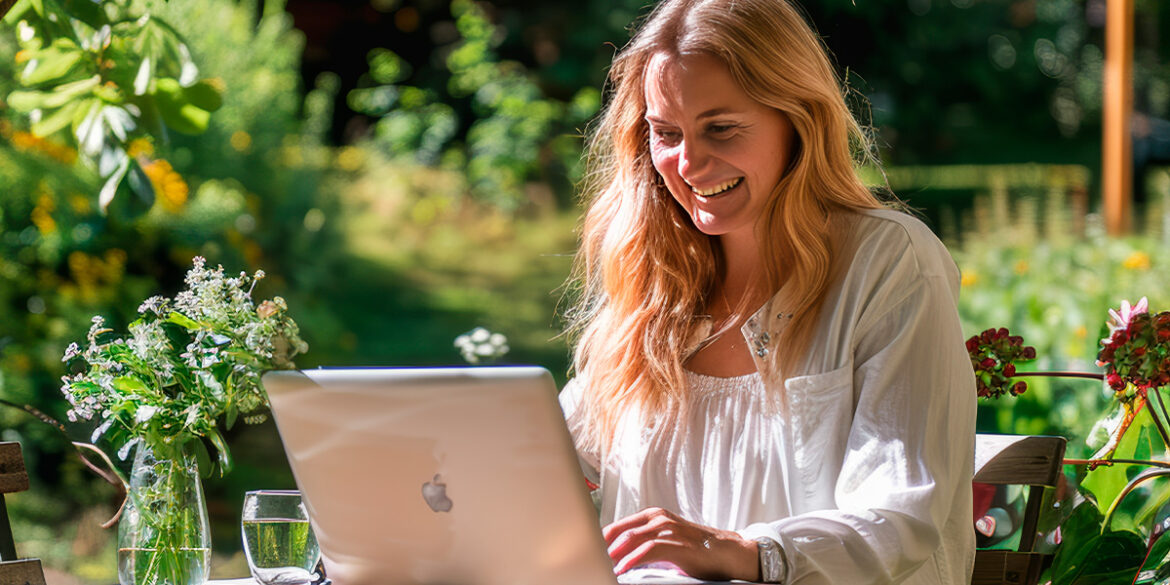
(648, 552)
(654, 535)
(639, 519)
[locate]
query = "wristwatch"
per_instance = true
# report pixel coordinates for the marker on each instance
(773, 565)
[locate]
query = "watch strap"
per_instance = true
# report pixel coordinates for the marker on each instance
(773, 564)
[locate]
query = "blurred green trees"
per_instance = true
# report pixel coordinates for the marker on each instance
(515, 137)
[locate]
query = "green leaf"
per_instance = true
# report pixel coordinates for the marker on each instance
(203, 458)
(53, 62)
(110, 188)
(1158, 551)
(1081, 527)
(176, 109)
(56, 121)
(140, 184)
(1107, 481)
(130, 384)
(1113, 557)
(180, 319)
(1157, 495)
(68, 92)
(15, 12)
(224, 455)
(205, 95)
(230, 417)
(87, 11)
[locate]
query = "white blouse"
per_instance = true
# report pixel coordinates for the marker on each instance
(867, 477)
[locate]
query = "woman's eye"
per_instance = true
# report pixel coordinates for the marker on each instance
(667, 136)
(721, 129)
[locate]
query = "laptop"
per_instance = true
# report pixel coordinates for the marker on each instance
(441, 476)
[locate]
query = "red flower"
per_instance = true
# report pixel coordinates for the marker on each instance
(973, 344)
(987, 363)
(1019, 387)
(1115, 382)
(1029, 353)
(1009, 370)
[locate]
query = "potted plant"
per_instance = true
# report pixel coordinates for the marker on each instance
(1114, 531)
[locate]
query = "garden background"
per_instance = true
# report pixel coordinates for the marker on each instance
(403, 170)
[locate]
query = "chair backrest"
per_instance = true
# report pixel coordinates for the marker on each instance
(1033, 461)
(14, 478)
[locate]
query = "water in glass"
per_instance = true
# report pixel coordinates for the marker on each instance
(278, 542)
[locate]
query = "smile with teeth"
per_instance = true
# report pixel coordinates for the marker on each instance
(717, 189)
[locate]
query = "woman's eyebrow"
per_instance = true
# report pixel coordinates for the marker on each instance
(712, 113)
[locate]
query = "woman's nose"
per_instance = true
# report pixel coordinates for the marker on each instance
(691, 158)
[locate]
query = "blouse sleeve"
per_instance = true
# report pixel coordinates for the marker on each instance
(570, 399)
(906, 475)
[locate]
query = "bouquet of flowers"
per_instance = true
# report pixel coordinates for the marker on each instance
(185, 365)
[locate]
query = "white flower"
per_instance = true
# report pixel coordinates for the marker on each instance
(125, 450)
(71, 352)
(102, 428)
(1122, 316)
(480, 344)
(144, 413)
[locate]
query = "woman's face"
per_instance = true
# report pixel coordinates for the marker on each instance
(720, 152)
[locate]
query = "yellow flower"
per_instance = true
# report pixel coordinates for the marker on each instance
(1021, 267)
(80, 204)
(169, 187)
(241, 141)
(55, 150)
(140, 146)
(1081, 332)
(350, 158)
(969, 279)
(1137, 261)
(42, 214)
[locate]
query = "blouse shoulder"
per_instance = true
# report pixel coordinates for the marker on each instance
(570, 396)
(897, 237)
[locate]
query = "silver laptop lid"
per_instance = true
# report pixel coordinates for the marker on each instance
(451, 476)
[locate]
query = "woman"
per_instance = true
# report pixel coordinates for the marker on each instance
(771, 382)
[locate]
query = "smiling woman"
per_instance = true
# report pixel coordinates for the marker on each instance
(749, 395)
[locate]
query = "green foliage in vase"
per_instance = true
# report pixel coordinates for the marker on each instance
(186, 365)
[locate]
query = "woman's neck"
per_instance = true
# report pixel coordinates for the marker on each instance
(743, 271)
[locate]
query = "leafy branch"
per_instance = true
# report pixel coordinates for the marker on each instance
(113, 82)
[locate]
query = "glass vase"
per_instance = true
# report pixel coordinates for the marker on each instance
(163, 536)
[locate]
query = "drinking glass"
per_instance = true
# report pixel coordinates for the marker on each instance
(278, 541)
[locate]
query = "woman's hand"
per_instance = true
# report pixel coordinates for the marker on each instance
(702, 552)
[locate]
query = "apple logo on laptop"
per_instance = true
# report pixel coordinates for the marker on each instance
(435, 494)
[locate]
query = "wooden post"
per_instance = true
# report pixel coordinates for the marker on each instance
(14, 478)
(1117, 140)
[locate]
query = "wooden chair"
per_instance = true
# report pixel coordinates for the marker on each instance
(14, 478)
(1033, 461)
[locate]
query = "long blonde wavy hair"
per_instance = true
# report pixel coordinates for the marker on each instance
(643, 271)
